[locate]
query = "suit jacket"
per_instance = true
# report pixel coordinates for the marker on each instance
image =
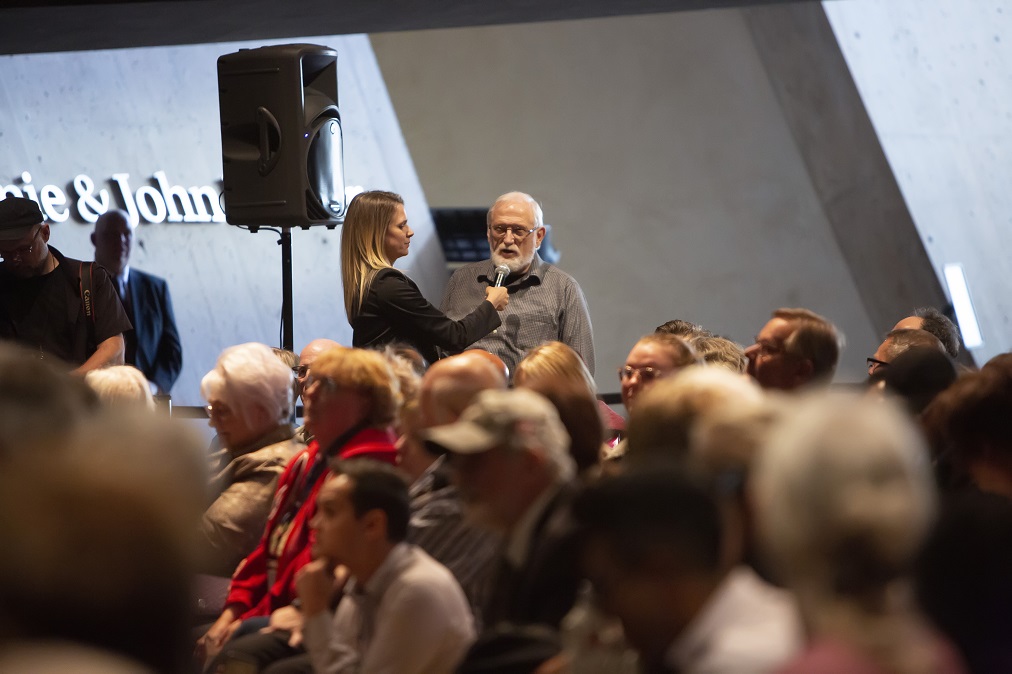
(544, 588)
(157, 351)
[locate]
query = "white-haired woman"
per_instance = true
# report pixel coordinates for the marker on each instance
(249, 395)
(844, 498)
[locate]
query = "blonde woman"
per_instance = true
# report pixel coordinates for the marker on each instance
(382, 303)
(556, 371)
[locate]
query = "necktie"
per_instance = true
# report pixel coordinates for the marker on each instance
(124, 295)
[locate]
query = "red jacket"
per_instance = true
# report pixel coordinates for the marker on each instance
(265, 580)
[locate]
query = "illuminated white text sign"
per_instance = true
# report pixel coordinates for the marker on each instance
(158, 202)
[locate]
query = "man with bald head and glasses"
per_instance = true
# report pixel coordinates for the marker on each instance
(546, 304)
(45, 303)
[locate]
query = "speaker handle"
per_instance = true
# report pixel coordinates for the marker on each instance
(268, 159)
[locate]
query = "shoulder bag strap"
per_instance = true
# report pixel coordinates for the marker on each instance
(88, 301)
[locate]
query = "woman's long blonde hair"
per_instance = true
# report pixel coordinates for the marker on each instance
(362, 244)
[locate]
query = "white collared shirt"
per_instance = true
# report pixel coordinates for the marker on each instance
(410, 617)
(747, 626)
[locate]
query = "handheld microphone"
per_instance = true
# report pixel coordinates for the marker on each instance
(501, 272)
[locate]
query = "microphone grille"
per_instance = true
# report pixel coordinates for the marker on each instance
(502, 269)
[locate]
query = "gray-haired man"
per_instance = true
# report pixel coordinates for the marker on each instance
(546, 304)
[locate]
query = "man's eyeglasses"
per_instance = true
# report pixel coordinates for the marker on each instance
(19, 253)
(300, 371)
(645, 373)
(769, 348)
(875, 363)
(325, 383)
(519, 233)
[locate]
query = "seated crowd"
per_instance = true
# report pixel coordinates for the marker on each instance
(748, 516)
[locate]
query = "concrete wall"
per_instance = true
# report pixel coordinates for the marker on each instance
(140, 111)
(936, 78)
(659, 151)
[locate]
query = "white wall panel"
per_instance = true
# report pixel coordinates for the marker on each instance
(936, 78)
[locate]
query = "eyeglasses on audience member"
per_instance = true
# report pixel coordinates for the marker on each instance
(19, 253)
(645, 373)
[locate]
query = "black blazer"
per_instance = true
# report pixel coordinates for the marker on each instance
(543, 590)
(156, 349)
(394, 310)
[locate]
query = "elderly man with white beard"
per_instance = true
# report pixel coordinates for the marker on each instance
(545, 303)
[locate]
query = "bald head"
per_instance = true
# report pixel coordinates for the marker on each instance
(308, 355)
(451, 384)
(113, 240)
(495, 360)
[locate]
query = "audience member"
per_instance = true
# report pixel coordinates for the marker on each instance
(963, 579)
(383, 304)
(722, 352)
(46, 657)
(546, 304)
(450, 386)
(43, 293)
(510, 461)
(844, 500)
(553, 361)
(402, 611)
(408, 373)
(306, 359)
(153, 346)
(656, 550)
(40, 405)
(795, 348)
(249, 395)
(98, 544)
(664, 417)
(684, 329)
(121, 385)
(438, 522)
(556, 371)
(969, 426)
(898, 342)
(289, 358)
(938, 324)
(351, 399)
(916, 376)
(653, 357)
(723, 446)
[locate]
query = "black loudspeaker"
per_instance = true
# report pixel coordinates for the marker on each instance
(282, 147)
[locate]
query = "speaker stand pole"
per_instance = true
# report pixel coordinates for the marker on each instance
(287, 310)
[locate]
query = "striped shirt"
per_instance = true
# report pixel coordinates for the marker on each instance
(545, 304)
(440, 527)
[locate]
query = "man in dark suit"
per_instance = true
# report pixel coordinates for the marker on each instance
(509, 457)
(153, 346)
